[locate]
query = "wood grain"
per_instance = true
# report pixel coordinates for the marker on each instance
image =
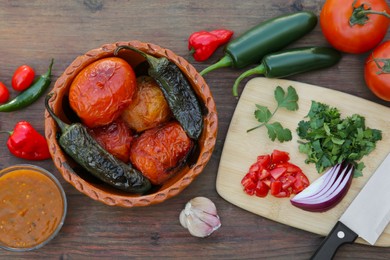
(241, 150)
(35, 31)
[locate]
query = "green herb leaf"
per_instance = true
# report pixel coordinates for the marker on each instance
(276, 130)
(262, 114)
(289, 100)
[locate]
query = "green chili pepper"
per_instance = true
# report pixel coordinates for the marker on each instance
(267, 37)
(292, 61)
(86, 151)
(177, 91)
(31, 94)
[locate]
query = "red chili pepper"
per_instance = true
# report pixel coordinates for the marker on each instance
(203, 43)
(25, 142)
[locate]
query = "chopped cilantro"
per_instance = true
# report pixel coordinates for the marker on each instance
(327, 139)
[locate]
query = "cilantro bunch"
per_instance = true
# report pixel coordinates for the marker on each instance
(327, 139)
(287, 100)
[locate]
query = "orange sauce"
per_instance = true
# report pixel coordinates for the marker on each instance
(31, 207)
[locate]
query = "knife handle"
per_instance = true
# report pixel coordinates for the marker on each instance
(339, 235)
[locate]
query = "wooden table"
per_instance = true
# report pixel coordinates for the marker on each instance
(33, 32)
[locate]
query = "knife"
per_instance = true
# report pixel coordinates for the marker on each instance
(366, 217)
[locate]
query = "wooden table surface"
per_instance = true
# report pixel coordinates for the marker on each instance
(33, 32)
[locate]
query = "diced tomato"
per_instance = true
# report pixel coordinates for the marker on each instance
(279, 157)
(276, 187)
(301, 182)
(277, 172)
(263, 174)
(261, 189)
(274, 172)
(264, 160)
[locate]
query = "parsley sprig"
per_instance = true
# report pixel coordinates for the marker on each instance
(285, 100)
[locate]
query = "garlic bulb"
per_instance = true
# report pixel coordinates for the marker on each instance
(200, 217)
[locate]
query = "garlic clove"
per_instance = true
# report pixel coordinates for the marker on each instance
(183, 219)
(200, 217)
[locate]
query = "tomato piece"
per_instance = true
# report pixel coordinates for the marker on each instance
(276, 187)
(354, 38)
(301, 182)
(263, 174)
(277, 172)
(4, 93)
(23, 78)
(261, 189)
(264, 160)
(279, 157)
(377, 71)
(287, 182)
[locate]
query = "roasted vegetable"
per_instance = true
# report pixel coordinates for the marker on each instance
(81, 147)
(161, 151)
(177, 91)
(115, 138)
(148, 108)
(102, 90)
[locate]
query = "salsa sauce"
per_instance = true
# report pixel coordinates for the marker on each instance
(31, 208)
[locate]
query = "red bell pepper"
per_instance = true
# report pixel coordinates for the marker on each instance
(27, 143)
(203, 43)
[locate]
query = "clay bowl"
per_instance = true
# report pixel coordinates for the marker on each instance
(99, 191)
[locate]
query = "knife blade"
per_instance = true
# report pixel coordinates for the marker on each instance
(367, 216)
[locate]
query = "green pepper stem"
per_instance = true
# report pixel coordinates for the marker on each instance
(153, 61)
(6, 132)
(62, 125)
(226, 61)
(256, 70)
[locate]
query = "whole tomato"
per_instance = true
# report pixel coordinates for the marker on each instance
(355, 26)
(4, 93)
(377, 71)
(23, 78)
(102, 90)
(160, 152)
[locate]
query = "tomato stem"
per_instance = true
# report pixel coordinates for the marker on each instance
(359, 14)
(385, 68)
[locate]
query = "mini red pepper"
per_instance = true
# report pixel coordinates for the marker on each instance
(25, 142)
(203, 43)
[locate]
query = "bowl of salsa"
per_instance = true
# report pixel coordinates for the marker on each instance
(32, 207)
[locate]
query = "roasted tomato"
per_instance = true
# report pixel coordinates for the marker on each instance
(377, 71)
(148, 108)
(102, 90)
(159, 152)
(354, 26)
(115, 138)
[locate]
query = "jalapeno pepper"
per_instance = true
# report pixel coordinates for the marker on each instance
(27, 143)
(293, 61)
(203, 43)
(267, 37)
(31, 94)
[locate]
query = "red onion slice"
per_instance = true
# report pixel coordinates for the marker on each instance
(328, 190)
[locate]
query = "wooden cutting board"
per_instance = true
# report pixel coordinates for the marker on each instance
(241, 150)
